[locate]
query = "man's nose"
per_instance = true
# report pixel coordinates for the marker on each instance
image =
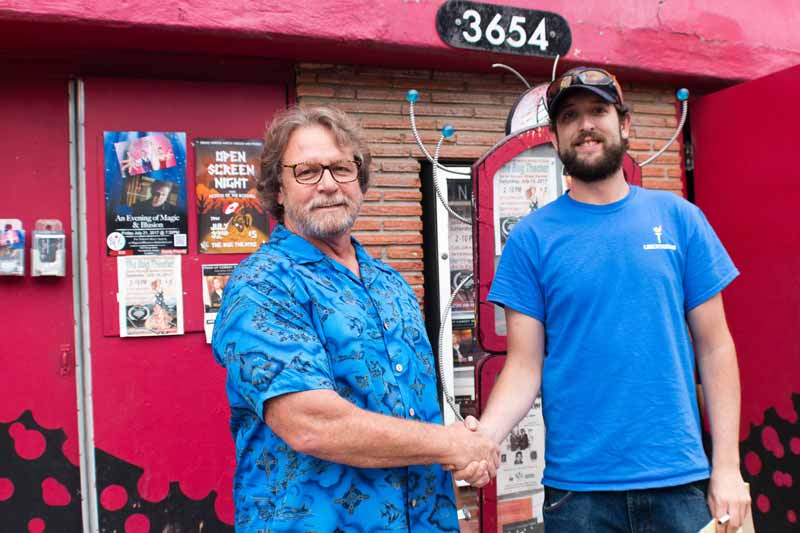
(586, 122)
(326, 182)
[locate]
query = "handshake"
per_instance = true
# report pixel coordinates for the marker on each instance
(475, 456)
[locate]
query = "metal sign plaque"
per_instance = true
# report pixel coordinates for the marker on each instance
(503, 29)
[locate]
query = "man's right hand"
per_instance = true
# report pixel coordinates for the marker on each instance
(476, 456)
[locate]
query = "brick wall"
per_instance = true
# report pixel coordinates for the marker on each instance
(390, 225)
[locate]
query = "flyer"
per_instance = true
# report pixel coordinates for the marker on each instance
(145, 179)
(12, 247)
(150, 296)
(522, 456)
(230, 216)
(460, 248)
(215, 277)
(522, 186)
(48, 248)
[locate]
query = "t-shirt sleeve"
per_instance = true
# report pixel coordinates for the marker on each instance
(709, 268)
(516, 282)
(267, 342)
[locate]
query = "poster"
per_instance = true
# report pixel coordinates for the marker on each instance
(522, 456)
(522, 186)
(12, 247)
(230, 216)
(145, 179)
(150, 295)
(215, 277)
(460, 248)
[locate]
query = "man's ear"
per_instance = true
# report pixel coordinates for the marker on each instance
(625, 126)
(553, 137)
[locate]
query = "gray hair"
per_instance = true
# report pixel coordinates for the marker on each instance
(343, 128)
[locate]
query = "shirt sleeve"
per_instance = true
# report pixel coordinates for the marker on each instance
(516, 281)
(709, 268)
(267, 342)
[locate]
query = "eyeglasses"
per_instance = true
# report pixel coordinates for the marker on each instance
(594, 77)
(311, 173)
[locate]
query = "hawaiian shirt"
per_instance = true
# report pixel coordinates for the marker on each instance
(294, 320)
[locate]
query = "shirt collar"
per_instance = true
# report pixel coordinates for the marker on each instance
(296, 247)
(302, 252)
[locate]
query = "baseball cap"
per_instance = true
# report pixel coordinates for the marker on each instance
(592, 79)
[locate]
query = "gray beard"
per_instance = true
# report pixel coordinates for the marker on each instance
(325, 225)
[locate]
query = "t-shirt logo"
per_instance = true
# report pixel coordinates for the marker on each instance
(659, 231)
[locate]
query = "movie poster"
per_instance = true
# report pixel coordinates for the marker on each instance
(230, 216)
(145, 178)
(150, 295)
(215, 277)
(522, 186)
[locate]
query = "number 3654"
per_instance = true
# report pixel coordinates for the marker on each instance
(515, 36)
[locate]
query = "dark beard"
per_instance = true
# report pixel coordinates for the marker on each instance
(609, 163)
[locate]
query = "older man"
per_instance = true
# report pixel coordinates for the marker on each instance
(331, 378)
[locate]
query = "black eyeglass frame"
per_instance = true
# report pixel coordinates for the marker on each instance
(322, 171)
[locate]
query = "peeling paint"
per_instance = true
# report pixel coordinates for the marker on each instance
(602, 31)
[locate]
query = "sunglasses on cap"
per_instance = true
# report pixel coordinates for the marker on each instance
(595, 80)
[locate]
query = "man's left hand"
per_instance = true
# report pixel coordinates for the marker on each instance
(478, 473)
(728, 495)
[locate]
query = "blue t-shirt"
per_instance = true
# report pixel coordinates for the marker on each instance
(612, 285)
(294, 320)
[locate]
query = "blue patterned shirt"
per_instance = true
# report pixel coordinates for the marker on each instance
(294, 320)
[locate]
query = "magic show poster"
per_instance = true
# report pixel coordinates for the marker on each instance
(145, 189)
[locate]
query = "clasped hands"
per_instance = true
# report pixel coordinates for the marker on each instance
(476, 456)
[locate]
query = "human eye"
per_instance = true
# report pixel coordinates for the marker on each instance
(567, 115)
(306, 171)
(343, 168)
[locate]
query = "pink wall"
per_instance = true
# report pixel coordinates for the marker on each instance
(698, 41)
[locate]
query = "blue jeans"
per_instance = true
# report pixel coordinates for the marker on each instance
(681, 509)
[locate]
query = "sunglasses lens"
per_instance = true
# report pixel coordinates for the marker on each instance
(559, 84)
(595, 77)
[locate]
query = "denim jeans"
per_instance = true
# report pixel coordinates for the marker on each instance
(681, 509)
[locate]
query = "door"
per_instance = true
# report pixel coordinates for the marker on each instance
(164, 453)
(747, 182)
(39, 451)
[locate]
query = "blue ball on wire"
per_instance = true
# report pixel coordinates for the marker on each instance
(412, 96)
(448, 130)
(682, 94)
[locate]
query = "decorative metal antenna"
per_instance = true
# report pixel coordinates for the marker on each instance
(447, 131)
(683, 96)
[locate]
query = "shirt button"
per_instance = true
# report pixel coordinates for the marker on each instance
(386, 325)
(413, 503)
(398, 367)
(411, 411)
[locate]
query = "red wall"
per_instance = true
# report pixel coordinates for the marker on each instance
(159, 402)
(34, 127)
(39, 445)
(748, 184)
(678, 40)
